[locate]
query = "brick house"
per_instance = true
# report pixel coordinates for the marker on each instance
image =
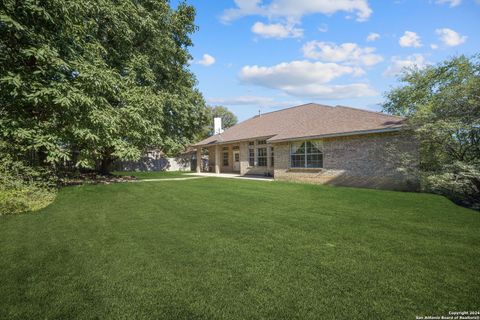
(315, 143)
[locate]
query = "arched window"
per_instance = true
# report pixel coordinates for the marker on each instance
(306, 154)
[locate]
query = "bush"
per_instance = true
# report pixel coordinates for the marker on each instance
(460, 182)
(23, 188)
(29, 198)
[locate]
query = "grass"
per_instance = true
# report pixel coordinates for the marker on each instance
(153, 174)
(235, 249)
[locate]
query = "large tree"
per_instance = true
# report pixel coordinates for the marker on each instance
(442, 105)
(91, 81)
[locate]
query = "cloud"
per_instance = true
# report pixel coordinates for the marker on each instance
(324, 27)
(207, 60)
(372, 36)
(332, 92)
(410, 39)
(450, 37)
(305, 78)
(276, 30)
(398, 64)
(452, 3)
(252, 100)
(434, 46)
(349, 53)
(294, 10)
(299, 72)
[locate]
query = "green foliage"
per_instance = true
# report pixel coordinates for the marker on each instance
(458, 181)
(96, 80)
(442, 105)
(23, 188)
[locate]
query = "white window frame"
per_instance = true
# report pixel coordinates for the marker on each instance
(263, 157)
(319, 145)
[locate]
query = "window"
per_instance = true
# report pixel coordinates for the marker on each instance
(251, 157)
(262, 157)
(225, 158)
(237, 157)
(272, 162)
(307, 154)
(251, 143)
(261, 142)
(236, 148)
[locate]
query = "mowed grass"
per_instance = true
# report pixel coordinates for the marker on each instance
(153, 174)
(234, 249)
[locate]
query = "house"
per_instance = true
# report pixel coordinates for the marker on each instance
(316, 143)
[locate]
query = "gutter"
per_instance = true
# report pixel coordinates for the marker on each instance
(232, 141)
(332, 135)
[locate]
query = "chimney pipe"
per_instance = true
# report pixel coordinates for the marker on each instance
(217, 126)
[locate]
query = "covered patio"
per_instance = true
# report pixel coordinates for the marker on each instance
(250, 157)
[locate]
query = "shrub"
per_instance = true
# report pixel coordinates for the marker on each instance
(23, 188)
(460, 182)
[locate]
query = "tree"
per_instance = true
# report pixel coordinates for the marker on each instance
(442, 105)
(92, 81)
(229, 119)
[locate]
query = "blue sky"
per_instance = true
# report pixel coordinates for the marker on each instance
(252, 55)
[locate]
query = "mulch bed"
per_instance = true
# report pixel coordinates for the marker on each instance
(94, 178)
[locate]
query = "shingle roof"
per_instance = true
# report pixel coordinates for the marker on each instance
(308, 120)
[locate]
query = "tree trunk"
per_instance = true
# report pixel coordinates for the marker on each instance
(106, 164)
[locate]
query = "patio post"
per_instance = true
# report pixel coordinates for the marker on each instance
(217, 159)
(199, 159)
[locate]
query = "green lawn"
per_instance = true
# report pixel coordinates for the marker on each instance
(235, 249)
(153, 174)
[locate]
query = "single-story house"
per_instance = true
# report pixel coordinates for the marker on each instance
(316, 143)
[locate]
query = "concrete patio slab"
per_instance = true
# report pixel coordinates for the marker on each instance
(230, 176)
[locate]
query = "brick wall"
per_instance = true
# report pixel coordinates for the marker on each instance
(361, 161)
(245, 167)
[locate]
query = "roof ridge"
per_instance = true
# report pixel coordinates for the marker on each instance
(300, 105)
(369, 111)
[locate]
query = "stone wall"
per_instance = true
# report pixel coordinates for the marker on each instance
(361, 161)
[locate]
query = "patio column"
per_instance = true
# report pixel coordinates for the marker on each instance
(269, 156)
(243, 158)
(199, 159)
(217, 159)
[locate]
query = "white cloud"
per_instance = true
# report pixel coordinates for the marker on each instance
(252, 100)
(349, 53)
(305, 78)
(348, 91)
(299, 72)
(276, 30)
(372, 36)
(450, 37)
(434, 46)
(410, 39)
(452, 3)
(324, 27)
(398, 64)
(207, 60)
(294, 10)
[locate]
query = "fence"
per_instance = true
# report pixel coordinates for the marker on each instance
(183, 163)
